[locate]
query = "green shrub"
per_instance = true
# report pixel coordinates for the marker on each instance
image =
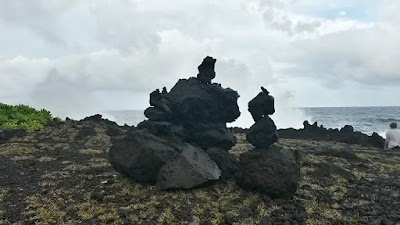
(23, 116)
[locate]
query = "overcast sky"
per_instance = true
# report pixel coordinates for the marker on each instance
(75, 56)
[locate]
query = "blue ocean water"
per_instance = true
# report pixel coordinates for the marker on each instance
(364, 119)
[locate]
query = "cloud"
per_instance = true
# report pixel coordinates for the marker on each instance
(131, 47)
(366, 55)
(41, 17)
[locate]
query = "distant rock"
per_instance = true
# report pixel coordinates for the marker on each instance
(345, 135)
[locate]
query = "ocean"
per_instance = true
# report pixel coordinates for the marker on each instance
(364, 119)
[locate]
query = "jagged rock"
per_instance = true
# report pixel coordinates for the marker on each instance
(263, 133)
(147, 158)
(195, 102)
(376, 140)
(115, 131)
(347, 129)
(194, 114)
(160, 100)
(345, 135)
(225, 161)
(206, 70)
(195, 110)
(156, 114)
(275, 171)
(261, 105)
(193, 167)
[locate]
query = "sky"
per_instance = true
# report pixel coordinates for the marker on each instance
(76, 58)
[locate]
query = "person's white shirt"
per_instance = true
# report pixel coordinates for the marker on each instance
(393, 138)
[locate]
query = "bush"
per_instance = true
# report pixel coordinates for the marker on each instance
(23, 116)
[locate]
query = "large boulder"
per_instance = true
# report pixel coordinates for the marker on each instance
(275, 171)
(263, 133)
(193, 167)
(196, 102)
(148, 159)
(140, 155)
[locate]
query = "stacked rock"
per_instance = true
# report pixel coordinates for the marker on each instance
(182, 126)
(263, 133)
(195, 110)
(267, 168)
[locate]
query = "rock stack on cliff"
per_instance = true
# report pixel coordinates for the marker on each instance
(169, 149)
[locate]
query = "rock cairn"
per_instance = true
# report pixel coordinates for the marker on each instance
(263, 133)
(267, 168)
(169, 149)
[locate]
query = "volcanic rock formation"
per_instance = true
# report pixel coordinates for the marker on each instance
(346, 135)
(169, 148)
(271, 170)
(263, 133)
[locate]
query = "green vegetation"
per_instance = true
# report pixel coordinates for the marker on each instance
(23, 116)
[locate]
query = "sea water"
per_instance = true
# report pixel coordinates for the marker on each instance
(364, 119)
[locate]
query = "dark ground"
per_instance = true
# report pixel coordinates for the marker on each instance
(62, 175)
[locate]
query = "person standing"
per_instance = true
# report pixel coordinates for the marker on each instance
(392, 138)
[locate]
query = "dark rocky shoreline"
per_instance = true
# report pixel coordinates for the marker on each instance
(347, 134)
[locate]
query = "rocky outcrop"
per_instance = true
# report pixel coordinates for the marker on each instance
(168, 163)
(275, 171)
(345, 135)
